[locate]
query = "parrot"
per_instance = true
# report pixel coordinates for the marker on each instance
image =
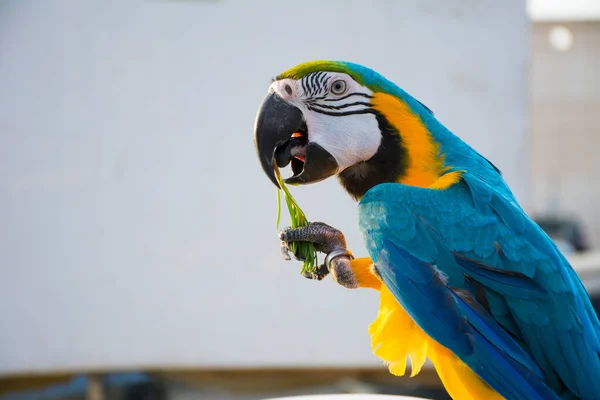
(465, 277)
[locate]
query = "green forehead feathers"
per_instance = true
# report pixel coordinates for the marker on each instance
(301, 70)
(363, 75)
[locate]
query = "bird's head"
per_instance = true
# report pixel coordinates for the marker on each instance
(338, 118)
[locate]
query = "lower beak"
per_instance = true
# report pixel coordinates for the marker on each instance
(276, 122)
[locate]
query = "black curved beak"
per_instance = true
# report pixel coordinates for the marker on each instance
(276, 122)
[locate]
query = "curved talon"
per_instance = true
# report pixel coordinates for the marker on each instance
(285, 251)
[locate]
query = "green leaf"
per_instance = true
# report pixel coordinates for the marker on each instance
(297, 219)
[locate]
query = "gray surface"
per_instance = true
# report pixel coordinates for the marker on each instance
(565, 90)
(136, 227)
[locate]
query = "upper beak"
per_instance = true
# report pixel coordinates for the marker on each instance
(276, 122)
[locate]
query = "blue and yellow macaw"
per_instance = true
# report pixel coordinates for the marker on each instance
(465, 277)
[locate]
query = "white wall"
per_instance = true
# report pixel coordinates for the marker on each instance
(561, 10)
(136, 227)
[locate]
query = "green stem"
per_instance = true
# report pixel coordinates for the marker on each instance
(298, 219)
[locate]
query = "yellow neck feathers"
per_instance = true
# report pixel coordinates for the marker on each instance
(425, 164)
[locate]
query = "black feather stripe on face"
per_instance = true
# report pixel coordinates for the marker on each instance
(387, 165)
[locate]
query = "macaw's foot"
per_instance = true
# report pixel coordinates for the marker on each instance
(327, 240)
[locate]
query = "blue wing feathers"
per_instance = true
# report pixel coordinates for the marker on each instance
(500, 312)
(490, 330)
(452, 270)
(510, 284)
(422, 296)
(519, 380)
(532, 294)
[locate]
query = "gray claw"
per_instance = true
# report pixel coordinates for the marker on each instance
(285, 251)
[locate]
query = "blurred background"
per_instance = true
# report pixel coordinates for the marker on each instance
(137, 231)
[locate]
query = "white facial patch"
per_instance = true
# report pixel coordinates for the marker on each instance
(338, 120)
(350, 139)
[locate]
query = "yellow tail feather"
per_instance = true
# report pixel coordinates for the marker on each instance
(395, 336)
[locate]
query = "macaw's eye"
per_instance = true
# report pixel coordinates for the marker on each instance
(338, 87)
